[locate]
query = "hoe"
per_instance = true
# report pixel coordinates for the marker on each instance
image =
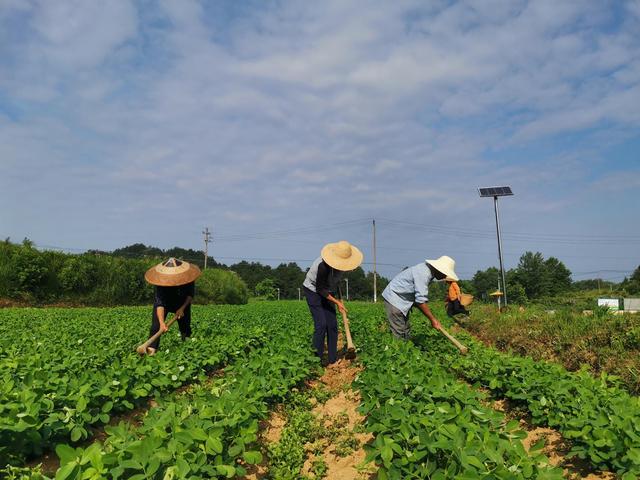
(351, 349)
(142, 349)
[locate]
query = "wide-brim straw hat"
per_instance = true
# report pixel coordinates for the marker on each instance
(172, 273)
(445, 265)
(341, 255)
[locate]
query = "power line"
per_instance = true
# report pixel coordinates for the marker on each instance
(561, 239)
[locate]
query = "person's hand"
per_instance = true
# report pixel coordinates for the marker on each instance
(163, 326)
(180, 313)
(436, 324)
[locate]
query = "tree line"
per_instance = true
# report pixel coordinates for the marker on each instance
(31, 276)
(117, 278)
(263, 280)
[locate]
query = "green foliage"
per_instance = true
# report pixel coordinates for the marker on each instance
(30, 275)
(221, 286)
(78, 275)
(267, 289)
(429, 425)
(632, 284)
(211, 431)
(516, 293)
(64, 370)
(599, 417)
(485, 282)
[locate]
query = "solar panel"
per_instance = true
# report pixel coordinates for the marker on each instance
(495, 191)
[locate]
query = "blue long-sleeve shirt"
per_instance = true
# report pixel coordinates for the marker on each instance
(408, 287)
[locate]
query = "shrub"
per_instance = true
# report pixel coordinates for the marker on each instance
(221, 286)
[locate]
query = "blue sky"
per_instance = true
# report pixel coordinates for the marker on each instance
(285, 125)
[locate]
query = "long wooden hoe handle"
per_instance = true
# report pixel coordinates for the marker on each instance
(453, 340)
(142, 349)
(347, 332)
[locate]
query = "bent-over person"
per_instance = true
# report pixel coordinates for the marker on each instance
(174, 282)
(320, 285)
(411, 288)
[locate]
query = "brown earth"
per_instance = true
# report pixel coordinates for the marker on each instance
(339, 414)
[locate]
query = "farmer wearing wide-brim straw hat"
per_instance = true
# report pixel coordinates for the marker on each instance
(174, 282)
(320, 285)
(411, 287)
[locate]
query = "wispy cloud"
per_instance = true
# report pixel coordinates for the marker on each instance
(296, 111)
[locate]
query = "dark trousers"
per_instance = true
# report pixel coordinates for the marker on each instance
(184, 324)
(455, 307)
(325, 324)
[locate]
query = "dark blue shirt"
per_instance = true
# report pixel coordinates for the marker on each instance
(172, 298)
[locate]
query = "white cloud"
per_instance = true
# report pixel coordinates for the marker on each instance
(311, 108)
(77, 34)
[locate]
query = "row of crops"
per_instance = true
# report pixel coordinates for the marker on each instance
(66, 373)
(598, 416)
(429, 424)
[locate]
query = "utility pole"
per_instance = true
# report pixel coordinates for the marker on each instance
(346, 280)
(375, 288)
(207, 241)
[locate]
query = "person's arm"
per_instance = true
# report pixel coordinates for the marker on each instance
(159, 304)
(339, 304)
(424, 308)
(180, 311)
(160, 313)
(421, 280)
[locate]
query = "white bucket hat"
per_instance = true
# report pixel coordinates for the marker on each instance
(341, 255)
(445, 265)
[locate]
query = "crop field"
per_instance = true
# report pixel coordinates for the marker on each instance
(246, 398)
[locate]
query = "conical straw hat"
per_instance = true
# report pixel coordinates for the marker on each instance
(445, 265)
(341, 255)
(172, 273)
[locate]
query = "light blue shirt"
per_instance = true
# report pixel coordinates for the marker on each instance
(408, 287)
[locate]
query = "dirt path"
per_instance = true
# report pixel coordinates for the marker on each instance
(343, 454)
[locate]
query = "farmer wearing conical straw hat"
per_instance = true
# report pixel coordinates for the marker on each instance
(174, 282)
(320, 285)
(411, 287)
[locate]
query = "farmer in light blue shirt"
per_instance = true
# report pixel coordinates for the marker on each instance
(411, 287)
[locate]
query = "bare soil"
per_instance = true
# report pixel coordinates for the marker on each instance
(340, 416)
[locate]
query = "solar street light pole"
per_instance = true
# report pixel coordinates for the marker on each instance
(504, 283)
(496, 192)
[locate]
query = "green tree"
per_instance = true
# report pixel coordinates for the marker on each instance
(533, 275)
(516, 293)
(559, 276)
(267, 288)
(219, 286)
(484, 282)
(79, 274)
(632, 284)
(288, 277)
